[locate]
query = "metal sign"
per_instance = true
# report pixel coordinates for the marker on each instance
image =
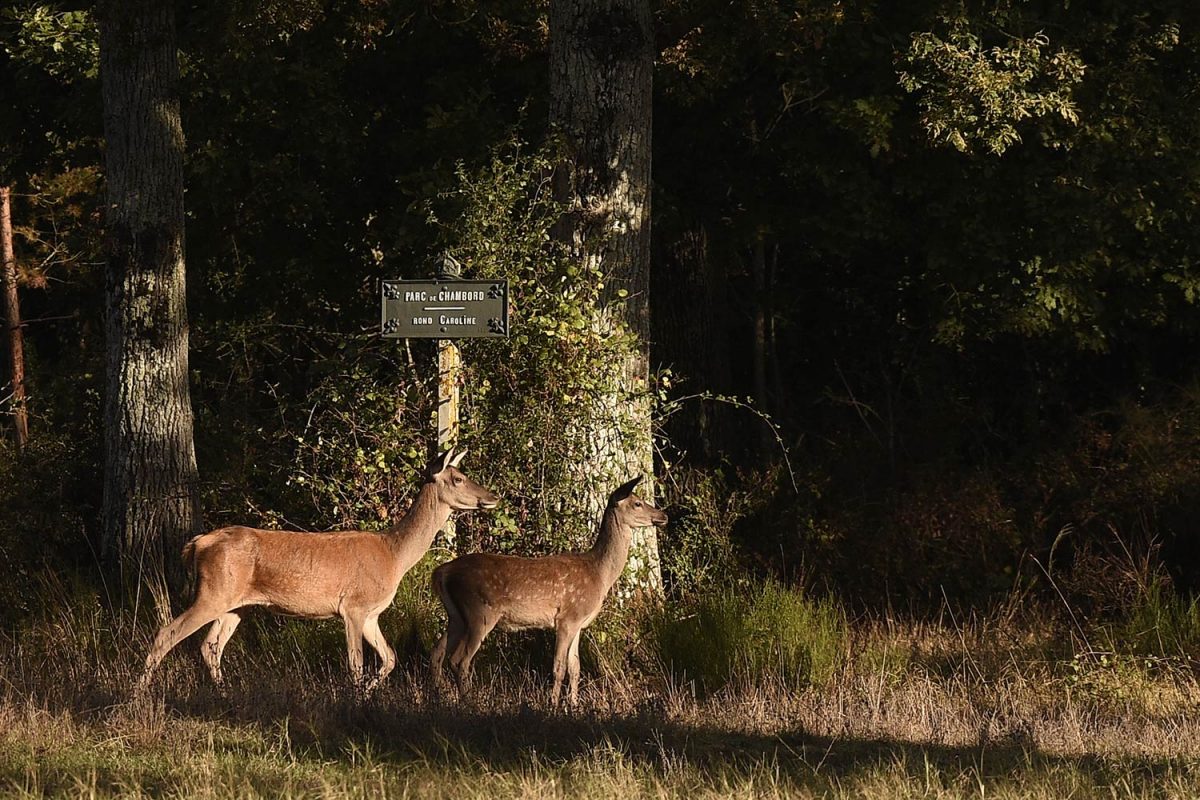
(445, 309)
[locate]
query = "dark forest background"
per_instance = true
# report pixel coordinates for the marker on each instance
(949, 248)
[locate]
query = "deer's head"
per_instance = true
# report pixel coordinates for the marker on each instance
(632, 510)
(453, 487)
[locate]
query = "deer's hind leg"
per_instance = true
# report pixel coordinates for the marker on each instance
(193, 619)
(455, 628)
(476, 631)
(214, 644)
(449, 642)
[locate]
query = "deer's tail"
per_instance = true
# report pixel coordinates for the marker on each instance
(188, 555)
(440, 580)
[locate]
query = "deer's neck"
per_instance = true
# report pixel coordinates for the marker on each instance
(611, 549)
(413, 534)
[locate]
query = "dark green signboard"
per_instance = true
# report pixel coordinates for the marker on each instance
(445, 309)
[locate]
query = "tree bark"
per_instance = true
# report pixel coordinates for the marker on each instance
(12, 313)
(150, 477)
(601, 63)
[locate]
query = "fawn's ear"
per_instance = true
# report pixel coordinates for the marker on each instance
(454, 462)
(626, 489)
(439, 463)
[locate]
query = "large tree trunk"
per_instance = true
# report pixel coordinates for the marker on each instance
(601, 63)
(12, 313)
(150, 481)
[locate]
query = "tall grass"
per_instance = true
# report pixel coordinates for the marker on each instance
(796, 701)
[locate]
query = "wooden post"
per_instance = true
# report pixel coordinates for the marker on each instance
(449, 359)
(12, 314)
(449, 385)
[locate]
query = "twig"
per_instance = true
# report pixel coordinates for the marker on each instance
(25, 322)
(1061, 596)
(745, 405)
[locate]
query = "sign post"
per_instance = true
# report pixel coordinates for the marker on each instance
(449, 362)
(446, 309)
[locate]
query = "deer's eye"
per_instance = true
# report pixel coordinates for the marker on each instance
(458, 481)
(638, 504)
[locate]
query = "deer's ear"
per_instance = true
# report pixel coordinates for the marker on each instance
(439, 463)
(626, 489)
(454, 462)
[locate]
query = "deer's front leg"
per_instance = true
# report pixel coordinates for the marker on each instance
(354, 648)
(562, 647)
(573, 667)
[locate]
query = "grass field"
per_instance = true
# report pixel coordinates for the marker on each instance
(977, 709)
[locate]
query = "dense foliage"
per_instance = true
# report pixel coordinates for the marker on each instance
(965, 228)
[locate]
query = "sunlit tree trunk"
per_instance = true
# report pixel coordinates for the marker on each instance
(150, 481)
(601, 62)
(12, 313)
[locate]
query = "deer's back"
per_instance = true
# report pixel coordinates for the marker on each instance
(524, 592)
(302, 574)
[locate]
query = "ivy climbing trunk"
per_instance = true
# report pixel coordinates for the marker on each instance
(150, 479)
(12, 314)
(601, 63)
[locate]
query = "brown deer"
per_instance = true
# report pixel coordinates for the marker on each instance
(351, 574)
(565, 592)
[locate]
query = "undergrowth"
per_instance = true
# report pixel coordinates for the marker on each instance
(761, 633)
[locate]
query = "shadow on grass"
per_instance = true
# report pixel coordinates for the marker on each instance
(401, 728)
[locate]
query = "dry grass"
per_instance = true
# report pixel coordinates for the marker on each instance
(917, 710)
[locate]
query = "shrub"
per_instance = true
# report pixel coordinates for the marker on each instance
(358, 460)
(698, 551)
(767, 634)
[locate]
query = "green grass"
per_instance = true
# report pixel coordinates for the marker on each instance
(1160, 625)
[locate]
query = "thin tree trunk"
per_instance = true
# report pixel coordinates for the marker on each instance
(601, 61)
(150, 480)
(759, 271)
(779, 396)
(12, 313)
(690, 337)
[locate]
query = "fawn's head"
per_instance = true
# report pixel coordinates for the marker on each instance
(453, 487)
(632, 510)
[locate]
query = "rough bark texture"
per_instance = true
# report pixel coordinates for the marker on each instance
(601, 63)
(12, 314)
(150, 480)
